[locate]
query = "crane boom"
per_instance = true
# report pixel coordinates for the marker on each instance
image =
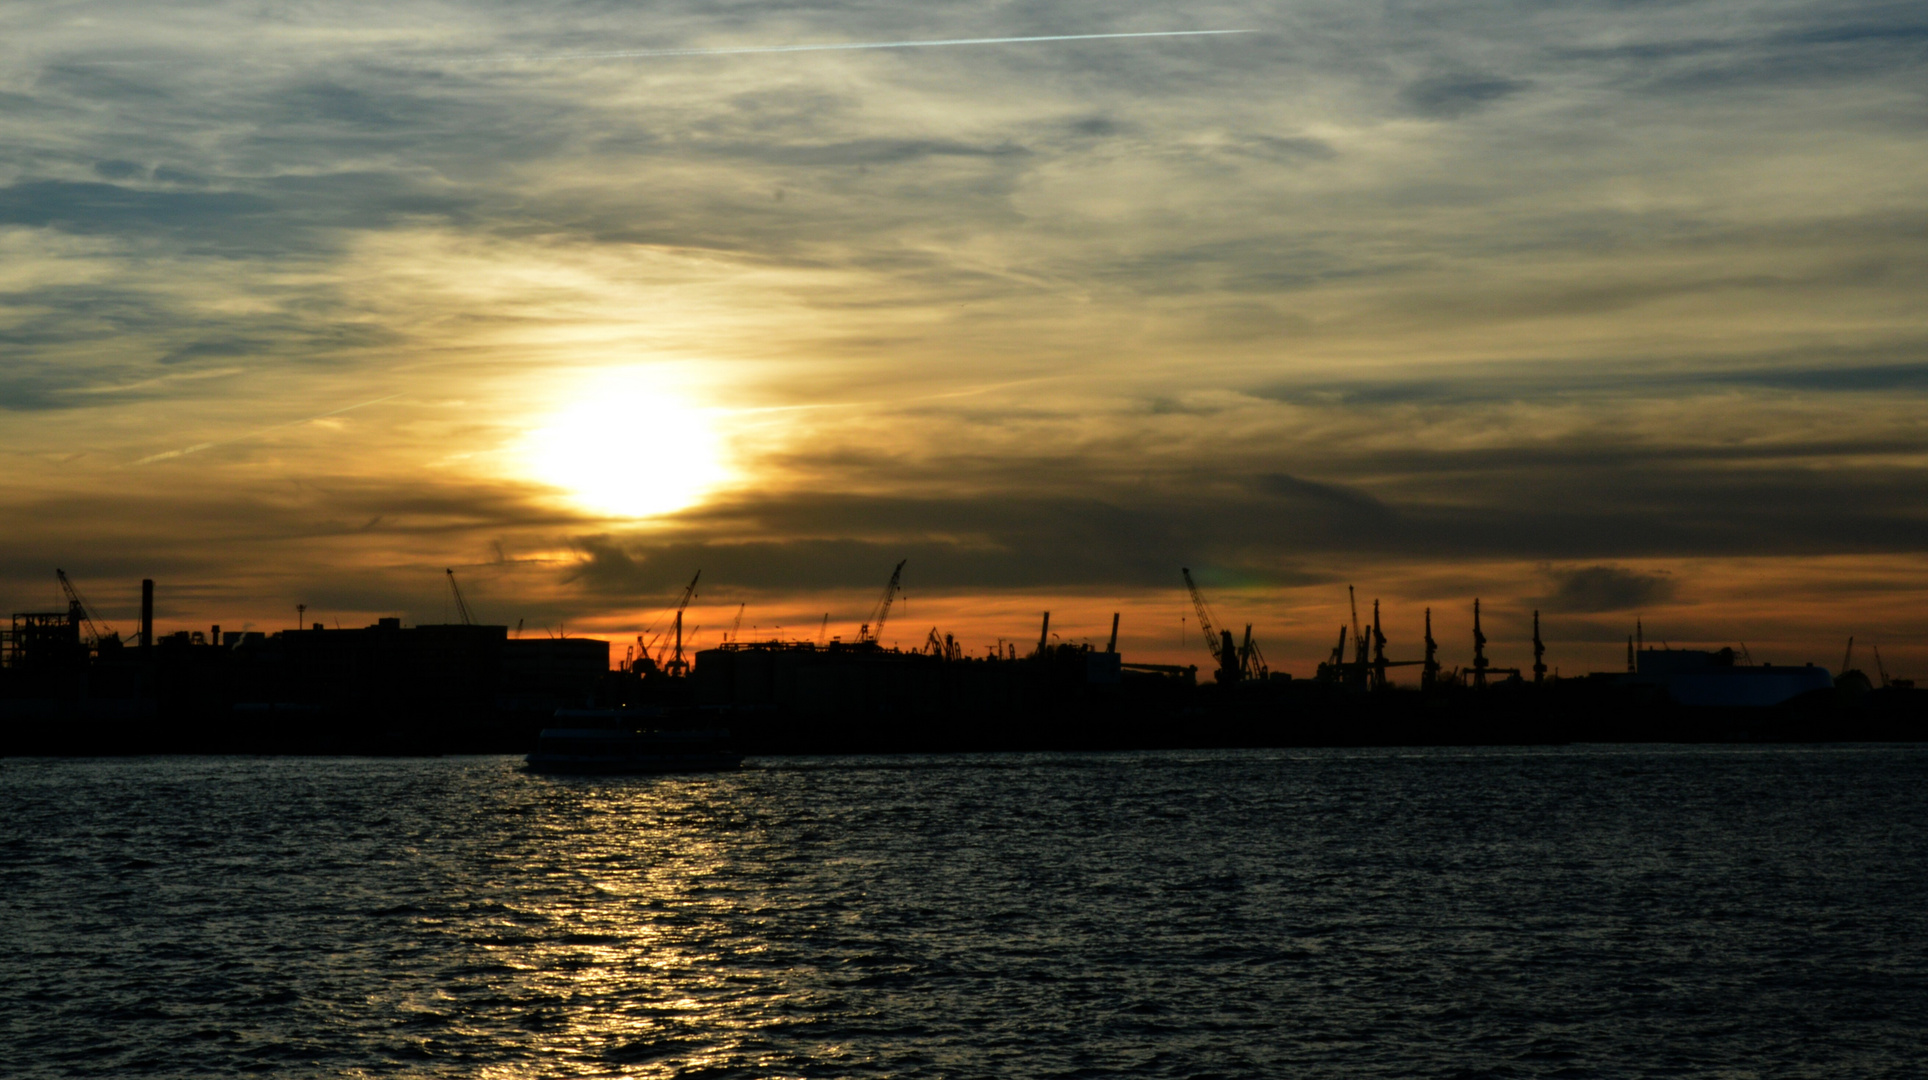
(873, 628)
(461, 605)
(689, 593)
(1205, 627)
(78, 606)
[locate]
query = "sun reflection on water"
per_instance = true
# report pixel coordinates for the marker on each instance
(1162, 915)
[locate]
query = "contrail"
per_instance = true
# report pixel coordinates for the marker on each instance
(198, 447)
(732, 50)
(737, 50)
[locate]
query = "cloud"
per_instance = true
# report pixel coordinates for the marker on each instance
(94, 208)
(119, 170)
(1645, 288)
(1594, 589)
(1451, 96)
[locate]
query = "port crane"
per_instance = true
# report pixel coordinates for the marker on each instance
(944, 647)
(1234, 661)
(873, 627)
(1366, 671)
(1358, 635)
(1482, 667)
(1539, 652)
(1218, 643)
(1379, 682)
(1379, 661)
(1354, 673)
(79, 611)
(1429, 675)
(1251, 662)
(1479, 649)
(1338, 662)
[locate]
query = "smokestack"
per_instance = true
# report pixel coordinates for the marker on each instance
(1112, 646)
(1044, 633)
(147, 612)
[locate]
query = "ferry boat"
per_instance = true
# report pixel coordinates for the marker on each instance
(615, 751)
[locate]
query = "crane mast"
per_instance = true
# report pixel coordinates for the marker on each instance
(677, 665)
(1379, 661)
(1359, 642)
(1479, 649)
(1539, 652)
(1429, 675)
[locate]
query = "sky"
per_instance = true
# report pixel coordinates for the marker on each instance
(1612, 311)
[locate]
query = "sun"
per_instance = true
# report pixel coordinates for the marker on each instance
(629, 445)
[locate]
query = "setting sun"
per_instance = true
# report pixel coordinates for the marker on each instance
(628, 446)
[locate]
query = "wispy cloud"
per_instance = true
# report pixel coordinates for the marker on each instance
(1415, 291)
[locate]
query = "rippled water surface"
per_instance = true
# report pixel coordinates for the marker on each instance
(1623, 912)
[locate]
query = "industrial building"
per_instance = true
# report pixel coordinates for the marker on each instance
(67, 682)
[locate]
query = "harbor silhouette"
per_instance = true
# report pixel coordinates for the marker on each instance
(70, 684)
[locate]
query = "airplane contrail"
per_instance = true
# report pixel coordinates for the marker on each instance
(198, 447)
(736, 50)
(727, 50)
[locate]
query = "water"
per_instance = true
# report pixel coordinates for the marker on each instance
(1597, 912)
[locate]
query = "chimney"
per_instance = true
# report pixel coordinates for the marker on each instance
(147, 612)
